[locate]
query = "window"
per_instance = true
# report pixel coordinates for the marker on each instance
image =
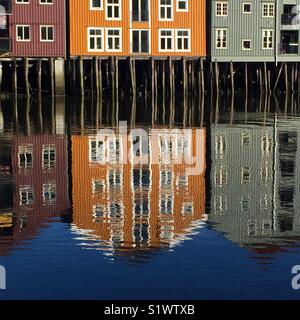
(245, 139)
(182, 5)
(220, 203)
(245, 203)
(22, 1)
(96, 5)
(221, 38)
(165, 9)
(183, 40)
(26, 195)
(46, 1)
(221, 176)
(246, 44)
(222, 9)
(98, 186)
(49, 156)
(165, 40)
(268, 10)
(140, 41)
(166, 179)
(113, 10)
(266, 145)
(267, 39)
(245, 175)
(47, 33)
(23, 33)
(187, 208)
(252, 229)
(49, 194)
(25, 157)
(99, 213)
(140, 10)
(113, 40)
(220, 145)
(247, 8)
(115, 178)
(95, 39)
(166, 204)
(97, 151)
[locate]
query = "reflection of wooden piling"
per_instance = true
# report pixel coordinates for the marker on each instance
(1, 76)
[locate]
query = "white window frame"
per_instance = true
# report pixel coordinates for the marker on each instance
(269, 31)
(186, 6)
(22, 1)
(88, 39)
(121, 40)
(246, 49)
(222, 4)
(46, 3)
(222, 34)
(166, 6)
(26, 190)
(47, 149)
(113, 5)
(268, 9)
(188, 37)
(246, 12)
(96, 8)
(159, 40)
(46, 26)
(131, 41)
(23, 25)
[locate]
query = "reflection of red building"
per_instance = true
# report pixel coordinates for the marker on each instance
(39, 165)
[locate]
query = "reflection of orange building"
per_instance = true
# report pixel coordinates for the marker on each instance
(132, 206)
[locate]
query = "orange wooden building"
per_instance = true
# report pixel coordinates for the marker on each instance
(127, 207)
(137, 28)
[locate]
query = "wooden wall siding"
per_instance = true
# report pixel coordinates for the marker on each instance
(36, 14)
(81, 18)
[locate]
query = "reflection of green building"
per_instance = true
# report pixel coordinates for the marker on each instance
(253, 177)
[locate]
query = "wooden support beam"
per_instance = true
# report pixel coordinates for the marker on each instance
(39, 75)
(26, 74)
(96, 67)
(15, 77)
(81, 75)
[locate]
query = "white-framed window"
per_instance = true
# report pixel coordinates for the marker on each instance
(187, 208)
(46, 1)
(221, 176)
(25, 157)
(247, 7)
(166, 204)
(95, 39)
(49, 194)
(220, 144)
(96, 4)
(183, 40)
(245, 175)
(46, 33)
(49, 157)
(166, 40)
(266, 144)
(23, 32)
(22, 1)
(26, 194)
(221, 38)
(246, 44)
(97, 151)
(267, 39)
(113, 10)
(252, 228)
(140, 41)
(220, 203)
(182, 6)
(245, 139)
(98, 186)
(268, 10)
(165, 9)
(222, 9)
(114, 39)
(245, 203)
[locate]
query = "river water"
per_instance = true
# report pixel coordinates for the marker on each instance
(79, 222)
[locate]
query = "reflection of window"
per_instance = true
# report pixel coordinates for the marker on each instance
(266, 172)
(98, 186)
(220, 145)
(220, 203)
(166, 232)
(187, 208)
(97, 151)
(49, 156)
(25, 156)
(141, 178)
(245, 175)
(245, 139)
(49, 193)
(221, 176)
(182, 181)
(114, 178)
(99, 212)
(166, 178)
(141, 208)
(26, 195)
(245, 203)
(266, 227)
(266, 144)
(252, 228)
(166, 204)
(116, 210)
(265, 202)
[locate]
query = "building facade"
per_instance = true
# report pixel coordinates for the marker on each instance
(33, 28)
(137, 28)
(255, 31)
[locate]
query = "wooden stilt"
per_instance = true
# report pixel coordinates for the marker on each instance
(246, 78)
(81, 75)
(152, 89)
(265, 77)
(52, 76)
(1, 76)
(39, 75)
(278, 77)
(286, 78)
(73, 76)
(15, 77)
(96, 66)
(26, 73)
(117, 87)
(217, 77)
(100, 76)
(92, 76)
(292, 78)
(163, 77)
(202, 76)
(232, 77)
